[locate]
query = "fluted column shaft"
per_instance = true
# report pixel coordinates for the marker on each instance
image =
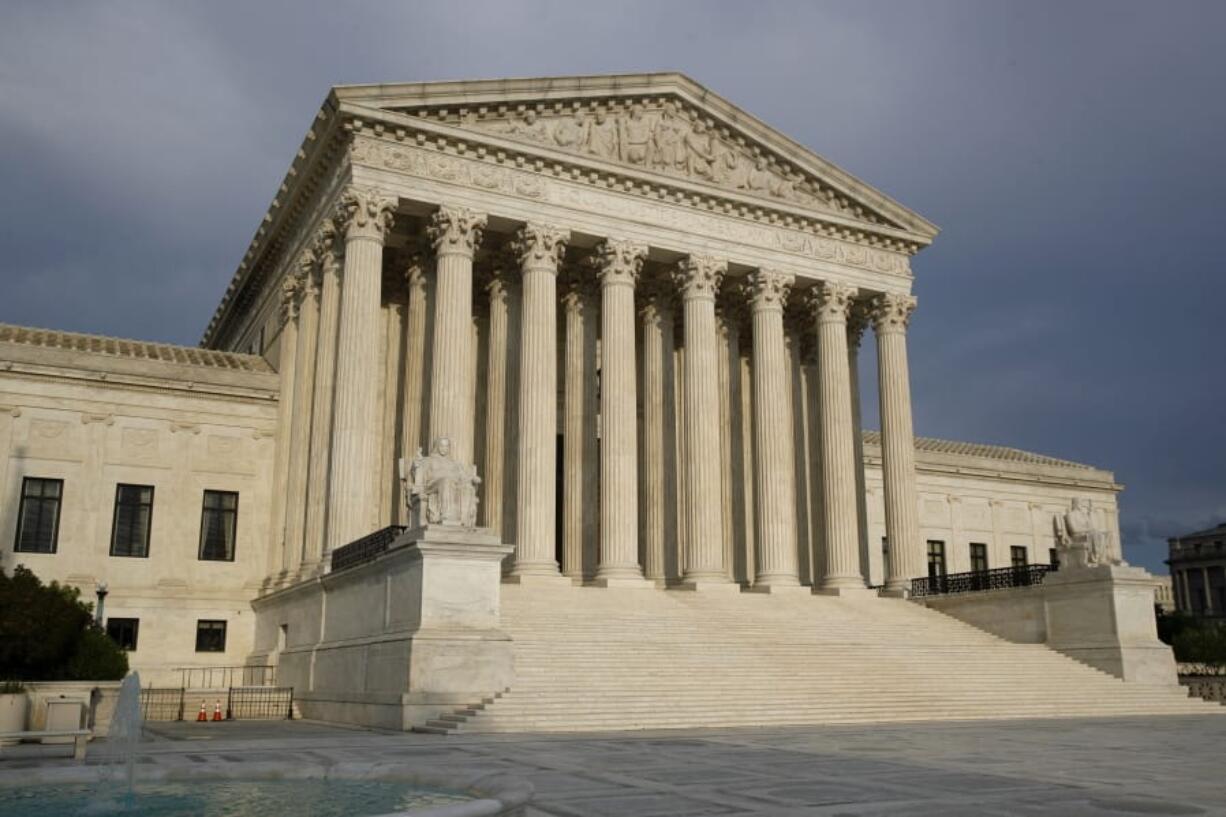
(498, 290)
(456, 232)
(540, 248)
(300, 427)
(774, 469)
(322, 402)
(353, 500)
(416, 319)
(699, 278)
(890, 315)
(288, 356)
(579, 487)
(831, 304)
(658, 449)
(619, 263)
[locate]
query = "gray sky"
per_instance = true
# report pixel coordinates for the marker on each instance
(1072, 152)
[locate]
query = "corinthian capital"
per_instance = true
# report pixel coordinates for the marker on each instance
(365, 213)
(699, 276)
(769, 288)
(891, 311)
(415, 273)
(308, 269)
(456, 230)
(326, 248)
(619, 262)
(831, 301)
(291, 287)
(540, 245)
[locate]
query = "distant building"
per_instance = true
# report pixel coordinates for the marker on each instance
(1164, 594)
(1198, 571)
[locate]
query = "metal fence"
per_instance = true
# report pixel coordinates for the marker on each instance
(260, 703)
(224, 677)
(366, 549)
(161, 704)
(980, 580)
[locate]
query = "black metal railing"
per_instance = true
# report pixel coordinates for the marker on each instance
(367, 548)
(251, 675)
(161, 704)
(976, 580)
(260, 703)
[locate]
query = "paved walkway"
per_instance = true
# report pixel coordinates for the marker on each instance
(1071, 768)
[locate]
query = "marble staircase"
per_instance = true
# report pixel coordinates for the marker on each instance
(590, 659)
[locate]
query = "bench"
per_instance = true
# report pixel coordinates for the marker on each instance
(79, 738)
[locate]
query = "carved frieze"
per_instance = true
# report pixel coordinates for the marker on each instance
(576, 191)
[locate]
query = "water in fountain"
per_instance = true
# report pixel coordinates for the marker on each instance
(126, 725)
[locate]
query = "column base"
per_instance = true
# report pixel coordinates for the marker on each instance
(539, 580)
(895, 592)
(849, 592)
(706, 586)
(635, 582)
(781, 589)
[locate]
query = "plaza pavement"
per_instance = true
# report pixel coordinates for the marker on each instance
(1071, 768)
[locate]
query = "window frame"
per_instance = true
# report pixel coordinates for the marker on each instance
(119, 486)
(939, 552)
(1014, 550)
(205, 511)
(135, 622)
(202, 629)
(979, 553)
(58, 499)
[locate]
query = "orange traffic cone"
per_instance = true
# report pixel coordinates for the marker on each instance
(203, 717)
(217, 710)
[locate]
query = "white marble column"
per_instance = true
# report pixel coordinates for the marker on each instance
(416, 321)
(773, 440)
(857, 322)
(831, 302)
(659, 449)
(699, 278)
(365, 217)
(498, 290)
(300, 425)
(287, 357)
(730, 313)
(580, 452)
(619, 263)
(540, 248)
(455, 232)
(325, 249)
(890, 313)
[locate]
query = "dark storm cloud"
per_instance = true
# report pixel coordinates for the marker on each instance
(1071, 153)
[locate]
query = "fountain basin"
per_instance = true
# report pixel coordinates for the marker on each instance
(268, 789)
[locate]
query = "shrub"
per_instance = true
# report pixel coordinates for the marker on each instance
(48, 634)
(1202, 644)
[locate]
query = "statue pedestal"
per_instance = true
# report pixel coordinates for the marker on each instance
(1103, 616)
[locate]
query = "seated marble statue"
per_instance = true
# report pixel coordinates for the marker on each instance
(1078, 541)
(440, 490)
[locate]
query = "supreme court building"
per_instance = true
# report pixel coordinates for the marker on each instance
(633, 307)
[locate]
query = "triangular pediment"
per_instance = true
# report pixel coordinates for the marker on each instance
(664, 125)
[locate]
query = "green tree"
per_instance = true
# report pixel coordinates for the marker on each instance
(48, 634)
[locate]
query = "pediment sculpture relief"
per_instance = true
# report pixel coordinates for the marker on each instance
(668, 140)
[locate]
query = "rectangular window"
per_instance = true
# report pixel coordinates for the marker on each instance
(133, 519)
(979, 557)
(123, 631)
(1017, 557)
(218, 523)
(38, 518)
(1053, 557)
(936, 559)
(210, 636)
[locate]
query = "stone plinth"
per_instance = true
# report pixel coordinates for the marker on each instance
(1104, 616)
(397, 640)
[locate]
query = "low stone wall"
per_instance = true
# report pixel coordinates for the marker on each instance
(98, 697)
(1102, 616)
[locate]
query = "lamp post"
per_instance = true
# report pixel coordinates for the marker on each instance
(100, 591)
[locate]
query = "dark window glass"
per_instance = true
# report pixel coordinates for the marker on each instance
(210, 636)
(123, 632)
(133, 518)
(218, 523)
(38, 519)
(979, 557)
(1053, 556)
(936, 559)
(1017, 556)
